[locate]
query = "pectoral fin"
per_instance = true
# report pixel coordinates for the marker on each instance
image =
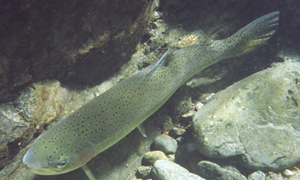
(142, 130)
(88, 172)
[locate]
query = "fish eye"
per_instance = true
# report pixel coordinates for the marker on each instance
(61, 164)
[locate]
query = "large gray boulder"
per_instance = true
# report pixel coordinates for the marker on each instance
(256, 119)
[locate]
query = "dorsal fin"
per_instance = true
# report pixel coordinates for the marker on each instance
(158, 63)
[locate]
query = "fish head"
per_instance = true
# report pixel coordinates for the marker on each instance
(52, 154)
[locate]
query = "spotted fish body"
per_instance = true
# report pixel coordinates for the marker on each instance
(106, 119)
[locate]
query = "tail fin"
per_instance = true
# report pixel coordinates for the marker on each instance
(253, 35)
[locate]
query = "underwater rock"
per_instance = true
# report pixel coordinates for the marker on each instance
(152, 156)
(12, 124)
(166, 144)
(42, 102)
(257, 175)
(79, 42)
(144, 172)
(288, 173)
(256, 119)
(12, 130)
(210, 170)
(167, 170)
(273, 176)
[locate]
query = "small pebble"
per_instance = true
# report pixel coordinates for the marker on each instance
(257, 175)
(144, 172)
(165, 143)
(288, 173)
(152, 156)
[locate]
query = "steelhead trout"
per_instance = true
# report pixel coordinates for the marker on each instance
(102, 122)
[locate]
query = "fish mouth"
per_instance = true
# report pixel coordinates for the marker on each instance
(44, 171)
(38, 167)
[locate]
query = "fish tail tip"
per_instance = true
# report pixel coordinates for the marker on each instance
(256, 33)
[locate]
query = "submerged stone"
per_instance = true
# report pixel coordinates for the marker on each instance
(257, 175)
(210, 170)
(144, 172)
(152, 156)
(167, 170)
(256, 119)
(165, 143)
